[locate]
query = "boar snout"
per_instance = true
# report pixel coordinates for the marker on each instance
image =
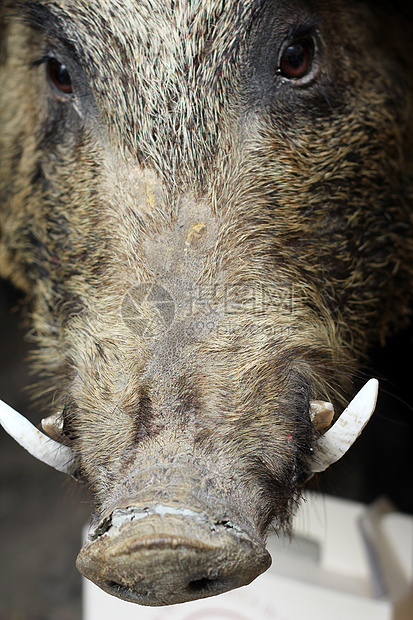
(162, 556)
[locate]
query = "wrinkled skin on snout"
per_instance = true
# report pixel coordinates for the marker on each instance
(207, 205)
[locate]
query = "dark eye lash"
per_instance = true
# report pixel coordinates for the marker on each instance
(42, 60)
(310, 28)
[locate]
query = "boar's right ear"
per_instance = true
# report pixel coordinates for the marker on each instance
(39, 445)
(341, 436)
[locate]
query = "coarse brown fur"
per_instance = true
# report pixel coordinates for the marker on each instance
(275, 213)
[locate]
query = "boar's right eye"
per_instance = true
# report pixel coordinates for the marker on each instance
(59, 76)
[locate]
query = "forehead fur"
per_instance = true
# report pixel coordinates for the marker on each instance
(149, 61)
(166, 75)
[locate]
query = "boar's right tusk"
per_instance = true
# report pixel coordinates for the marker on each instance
(341, 436)
(53, 425)
(34, 441)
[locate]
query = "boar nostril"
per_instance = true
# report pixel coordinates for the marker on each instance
(203, 585)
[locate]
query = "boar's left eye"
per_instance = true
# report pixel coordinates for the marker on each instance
(59, 76)
(297, 59)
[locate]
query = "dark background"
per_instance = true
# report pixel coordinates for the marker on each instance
(42, 511)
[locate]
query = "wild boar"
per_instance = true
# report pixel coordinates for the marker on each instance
(208, 205)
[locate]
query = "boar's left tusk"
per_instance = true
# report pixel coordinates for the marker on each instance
(341, 436)
(321, 414)
(43, 448)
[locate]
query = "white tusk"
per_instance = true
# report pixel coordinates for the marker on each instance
(341, 436)
(34, 441)
(321, 414)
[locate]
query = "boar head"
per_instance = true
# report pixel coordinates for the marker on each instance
(207, 206)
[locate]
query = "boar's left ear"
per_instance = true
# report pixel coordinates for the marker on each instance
(39, 445)
(341, 436)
